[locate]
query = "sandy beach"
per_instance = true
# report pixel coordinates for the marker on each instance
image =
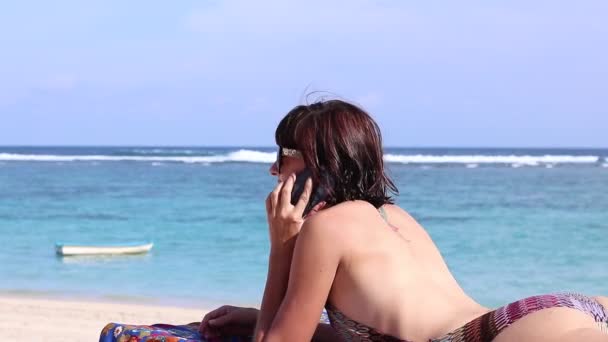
(29, 318)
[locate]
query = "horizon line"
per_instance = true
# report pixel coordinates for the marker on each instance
(270, 147)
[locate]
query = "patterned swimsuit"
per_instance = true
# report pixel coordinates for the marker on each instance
(484, 328)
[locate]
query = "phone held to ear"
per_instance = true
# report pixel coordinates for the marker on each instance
(319, 193)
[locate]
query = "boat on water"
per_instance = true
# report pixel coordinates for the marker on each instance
(73, 249)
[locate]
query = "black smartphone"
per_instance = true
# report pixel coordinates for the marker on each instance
(319, 193)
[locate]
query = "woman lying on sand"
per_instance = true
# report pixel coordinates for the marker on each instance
(367, 261)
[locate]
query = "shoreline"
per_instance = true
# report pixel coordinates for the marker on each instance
(168, 301)
(35, 317)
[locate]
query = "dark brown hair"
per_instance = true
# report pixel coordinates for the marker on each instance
(342, 146)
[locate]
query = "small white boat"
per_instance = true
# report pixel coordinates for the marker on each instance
(69, 249)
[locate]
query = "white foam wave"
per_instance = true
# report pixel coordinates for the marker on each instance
(237, 156)
(605, 165)
(253, 156)
(162, 151)
(496, 159)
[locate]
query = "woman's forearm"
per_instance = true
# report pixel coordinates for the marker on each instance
(323, 333)
(274, 292)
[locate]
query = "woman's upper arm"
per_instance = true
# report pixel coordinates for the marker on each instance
(313, 268)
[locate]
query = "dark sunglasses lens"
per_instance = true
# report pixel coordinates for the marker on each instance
(279, 159)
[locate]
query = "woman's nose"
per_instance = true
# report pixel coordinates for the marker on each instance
(274, 170)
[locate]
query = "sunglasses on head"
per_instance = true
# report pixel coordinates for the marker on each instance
(286, 152)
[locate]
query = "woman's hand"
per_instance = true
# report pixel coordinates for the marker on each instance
(285, 219)
(229, 320)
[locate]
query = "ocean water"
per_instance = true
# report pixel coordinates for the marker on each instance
(509, 222)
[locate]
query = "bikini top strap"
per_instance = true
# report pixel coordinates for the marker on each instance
(383, 214)
(385, 218)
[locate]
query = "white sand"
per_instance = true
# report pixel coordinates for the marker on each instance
(26, 319)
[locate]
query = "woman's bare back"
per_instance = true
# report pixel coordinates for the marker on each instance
(393, 278)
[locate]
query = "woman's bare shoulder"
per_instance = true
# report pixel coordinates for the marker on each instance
(338, 216)
(400, 212)
(345, 211)
(355, 212)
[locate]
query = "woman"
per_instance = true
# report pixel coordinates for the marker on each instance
(367, 261)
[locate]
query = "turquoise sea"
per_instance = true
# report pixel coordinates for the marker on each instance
(509, 222)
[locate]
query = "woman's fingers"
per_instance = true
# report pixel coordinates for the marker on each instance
(230, 321)
(215, 313)
(285, 200)
(229, 330)
(221, 320)
(269, 208)
(236, 330)
(304, 197)
(280, 198)
(221, 311)
(274, 198)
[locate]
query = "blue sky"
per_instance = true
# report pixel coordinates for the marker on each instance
(432, 73)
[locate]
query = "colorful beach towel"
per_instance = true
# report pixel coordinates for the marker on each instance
(116, 332)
